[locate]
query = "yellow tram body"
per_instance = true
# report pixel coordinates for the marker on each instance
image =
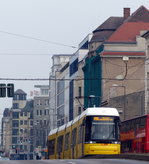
(74, 139)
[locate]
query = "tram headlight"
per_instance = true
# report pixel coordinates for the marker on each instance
(92, 142)
(116, 142)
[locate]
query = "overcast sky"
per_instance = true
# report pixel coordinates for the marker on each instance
(63, 21)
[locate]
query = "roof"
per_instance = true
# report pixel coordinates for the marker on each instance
(146, 34)
(6, 112)
(105, 30)
(141, 14)
(127, 32)
(20, 91)
(101, 111)
(29, 106)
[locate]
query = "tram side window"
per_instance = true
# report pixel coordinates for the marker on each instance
(67, 137)
(51, 146)
(137, 123)
(73, 138)
(80, 134)
(59, 144)
(143, 122)
(88, 129)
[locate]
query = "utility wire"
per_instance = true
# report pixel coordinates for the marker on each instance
(41, 40)
(53, 79)
(25, 54)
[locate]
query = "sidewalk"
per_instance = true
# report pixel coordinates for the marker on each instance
(144, 157)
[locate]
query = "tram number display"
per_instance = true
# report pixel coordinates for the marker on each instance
(103, 119)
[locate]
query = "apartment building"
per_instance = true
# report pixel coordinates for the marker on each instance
(41, 122)
(21, 127)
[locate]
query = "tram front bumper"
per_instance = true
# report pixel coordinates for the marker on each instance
(95, 149)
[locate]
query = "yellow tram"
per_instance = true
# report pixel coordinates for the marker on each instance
(94, 132)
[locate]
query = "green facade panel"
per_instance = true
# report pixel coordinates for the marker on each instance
(92, 82)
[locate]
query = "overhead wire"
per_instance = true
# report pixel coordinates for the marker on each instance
(37, 39)
(126, 70)
(67, 79)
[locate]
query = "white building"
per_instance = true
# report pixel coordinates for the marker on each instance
(63, 88)
(57, 89)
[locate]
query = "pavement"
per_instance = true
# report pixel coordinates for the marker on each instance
(134, 156)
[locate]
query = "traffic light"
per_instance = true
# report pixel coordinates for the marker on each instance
(10, 90)
(2, 90)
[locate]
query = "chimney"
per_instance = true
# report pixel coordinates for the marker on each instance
(126, 12)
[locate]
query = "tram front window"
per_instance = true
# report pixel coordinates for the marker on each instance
(102, 128)
(102, 131)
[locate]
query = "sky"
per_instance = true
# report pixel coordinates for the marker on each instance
(30, 29)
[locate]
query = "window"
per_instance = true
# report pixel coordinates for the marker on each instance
(21, 147)
(14, 140)
(25, 130)
(60, 112)
(37, 112)
(60, 86)
(59, 144)
(67, 139)
(25, 147)
(38, 102)
(60, 99)
(73, 137)
(14, 131)
(25, 122)
(21, 130)
(25, 113)
(15, 123)
(45, 122)
(15, 114)
(21, 122)
(46, 102)
(71, 99)
(44, 91)
(79, 91)
(103, 129)
(45, 112)
(51, 146)
(79, 110)
(40, 112)
(22, 97)
(31, 148)
(41, 122)
(80, 134)
(31, 132)
(31, 123)
(73, 67)
(19, 97)
(15, 106)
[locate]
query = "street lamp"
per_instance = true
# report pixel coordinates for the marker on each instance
(91, 100)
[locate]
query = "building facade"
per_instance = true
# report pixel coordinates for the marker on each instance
(146, 36)
(5, 132)
(21, 127)
(117, 65)
(57, 90)
(41, 123)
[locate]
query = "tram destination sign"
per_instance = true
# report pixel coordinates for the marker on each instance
(103, 119)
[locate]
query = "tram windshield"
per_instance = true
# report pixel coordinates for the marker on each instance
(102, 128)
